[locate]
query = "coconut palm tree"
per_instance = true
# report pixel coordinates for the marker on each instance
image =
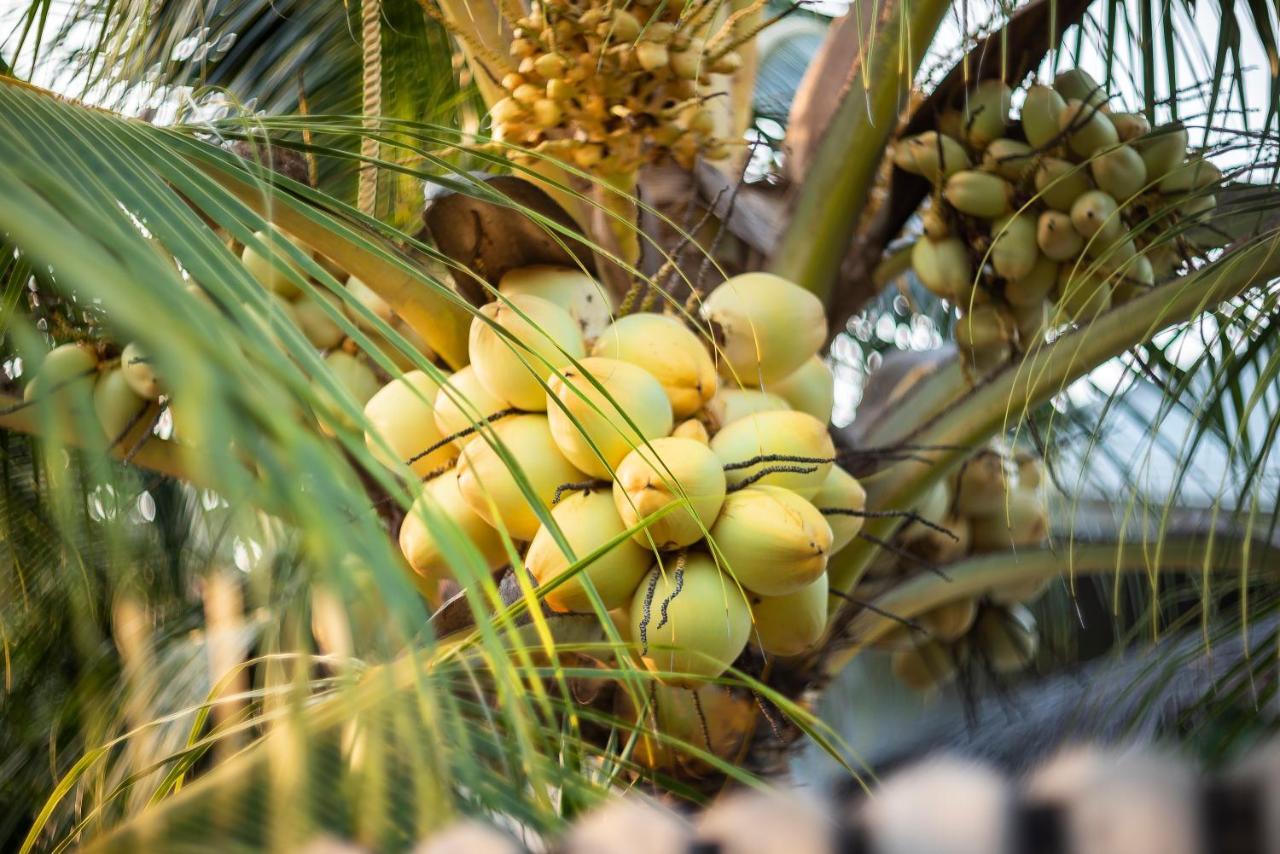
(215, 213)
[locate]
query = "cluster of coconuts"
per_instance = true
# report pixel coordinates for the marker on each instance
(120, 385)
(612, 87)
(994, 502)
(715, 430)
(1052, 219)
(353, 368)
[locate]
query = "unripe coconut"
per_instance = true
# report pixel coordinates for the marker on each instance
(547, 337)
(463, 402)
(986, 112)
(986, 329)
(791, 624)
(669, 350)
(1031, 290)
(321, 329)
(931, 155)
(1009, 158)
(1020, 521)
(1005, 638)
(1198, 206)
(65, 374)
(943, 267)
(951, 621)
(1162, 150)
(1013, 245)
(271, 267)
(689, 619)
(1082, 294)
(1088, 129)
(1195, 174)
(1040, 112)
(491, 489)
(946, 546)
(1119, 172)
(773, 542)
(767, 327)
(982, 484)
(120, 409)
(137, 370)
(1131, 126)
(692, 429)
(924, 668)
(841, 491)
(573, 290)
(588, 520)
(978, 194)
(934, 221)
(1060, 182)
(790, 434)
(368, 298)
(1076, 84)
(670, 470)
(596, 428)
(400, 415)
(811, 388)
(355, 377)
(1096, 216)
(423, 552)
(1057, 237)
(733, 404)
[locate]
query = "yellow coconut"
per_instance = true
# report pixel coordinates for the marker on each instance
(67, 372)
(841, 491)
(1057, 238)
(1096, 216)
(272, 266)
(139, 373)
(490, 487)
(978, 194)
(791, 624)
(665, 347)
(1030, 291)
(588, 520)
(424, 552)
(400, 415)
(670, 470)
(120, 409)
(718, 721)
(367, 298)
(733, 404)
(692, 429)
(771, 540)
(602, 409)
(796, 436)
(546, 337)
(355, 377)
(688, 617)
(583, 297)
(315, 321)
(462, 403)
(766, 326)
(810, 388)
